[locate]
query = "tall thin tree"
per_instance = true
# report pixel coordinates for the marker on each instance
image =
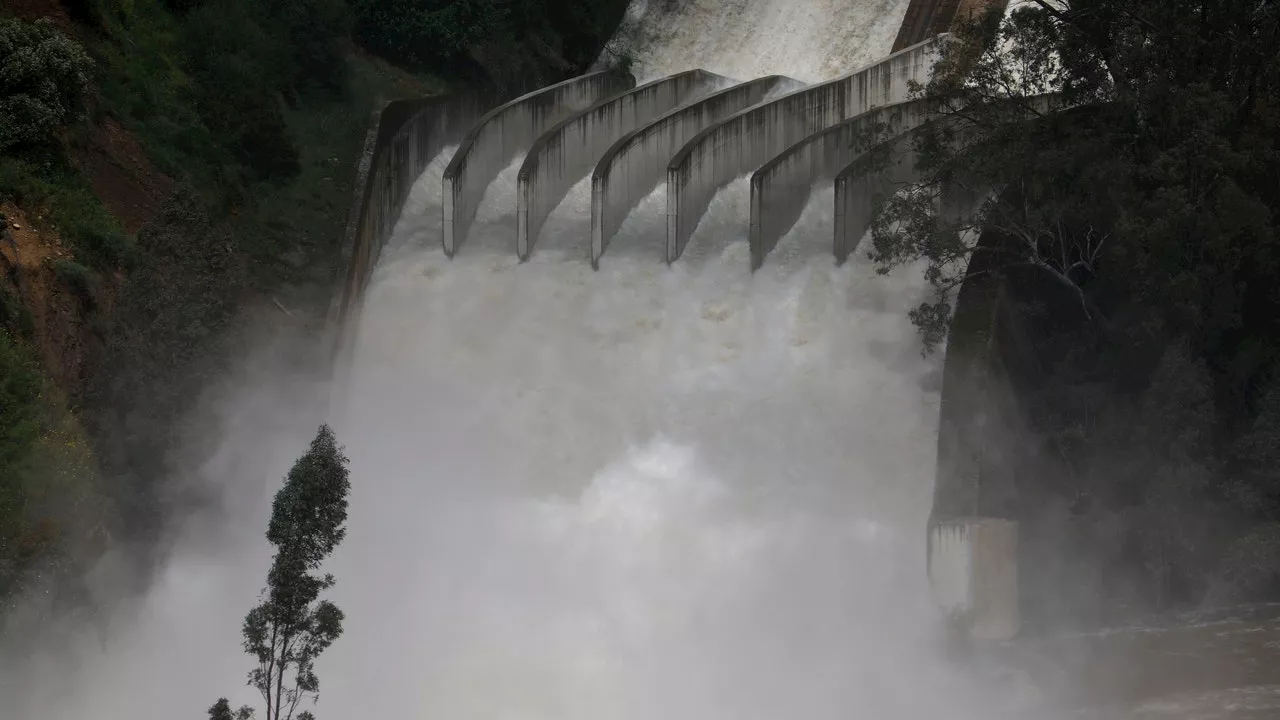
(289, 629)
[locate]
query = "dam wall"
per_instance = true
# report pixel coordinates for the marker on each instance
(563, 155)
(748, 139)
(403, 137)
(780, 189)
(506, 131)
(634, 165)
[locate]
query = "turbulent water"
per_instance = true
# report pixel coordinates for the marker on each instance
(686, 492)
(648, 491)
(810, 40)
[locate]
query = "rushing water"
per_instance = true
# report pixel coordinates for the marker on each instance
(810, 40)
(686, 492)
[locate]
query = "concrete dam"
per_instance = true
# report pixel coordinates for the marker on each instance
(635, 430)
(595, 149)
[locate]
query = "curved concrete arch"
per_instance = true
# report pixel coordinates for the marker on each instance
(503, 132)
(746, 140)
(635, 164)
(561, 156)
(781, 187)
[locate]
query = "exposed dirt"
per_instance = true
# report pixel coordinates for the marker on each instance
(27, 256)
(122, 176)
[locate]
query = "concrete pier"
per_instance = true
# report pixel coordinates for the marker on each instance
(973, 572)
(564, 154)
(635, 164)
(505, 132)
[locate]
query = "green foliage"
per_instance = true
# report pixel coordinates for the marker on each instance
(229, 55)
(1250, 567)
(431, 34)
(20, 385)
(1134, 222)
(43, 76)
(546, 38)
(196, 263)
(292, 626)
(51, 504)
(80, 278)
(175, 80)
(170, 316)
(73, 210)
(204, 87)
(221, 710)
(315, 33)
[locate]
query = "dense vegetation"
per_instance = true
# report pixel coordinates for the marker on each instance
(518, 44)
(239, 123)
(1136, 236)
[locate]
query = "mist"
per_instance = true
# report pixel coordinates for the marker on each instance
(687, 491)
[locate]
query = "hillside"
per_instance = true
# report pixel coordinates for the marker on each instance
(189, 165)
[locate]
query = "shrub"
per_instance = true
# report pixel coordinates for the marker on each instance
(46, 180)
(43, 76)
(315, 32)
(232, 59)
(431, 34)
(79, 278)
(19, 410)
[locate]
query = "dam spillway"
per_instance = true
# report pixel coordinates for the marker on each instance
(630, 169)
(684, 491)
(565, 153)
(504, 132)
(798, 138)
(685, 345)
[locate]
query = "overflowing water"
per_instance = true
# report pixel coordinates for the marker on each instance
(686, 492)
(649, 491)
(810, 40)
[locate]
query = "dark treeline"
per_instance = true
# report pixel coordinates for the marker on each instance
(1136, 236)
(513, 43)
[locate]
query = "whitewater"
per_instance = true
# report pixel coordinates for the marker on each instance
(644, 492)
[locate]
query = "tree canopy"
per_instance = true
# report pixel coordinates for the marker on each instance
(1133, 217)
(43, 77)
